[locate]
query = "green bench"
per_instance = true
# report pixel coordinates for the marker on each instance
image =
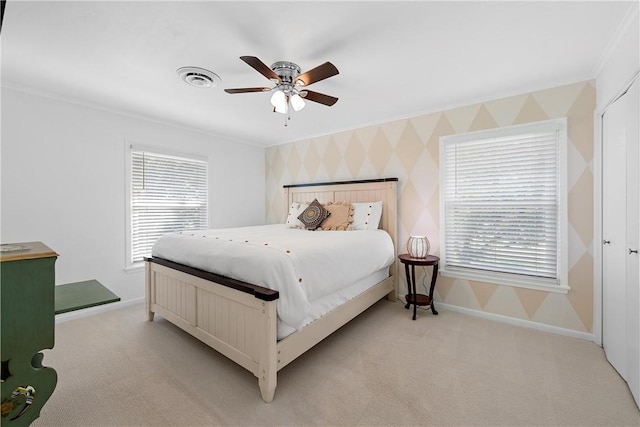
(79, 295)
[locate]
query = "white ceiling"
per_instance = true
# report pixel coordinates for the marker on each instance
(396, 59)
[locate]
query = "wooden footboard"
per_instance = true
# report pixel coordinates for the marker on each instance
(240, 325)
(235, 323)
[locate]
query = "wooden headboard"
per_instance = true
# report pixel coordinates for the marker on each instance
(384, 189)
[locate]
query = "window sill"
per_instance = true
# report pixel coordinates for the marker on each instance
(135, 268)
(505, 279)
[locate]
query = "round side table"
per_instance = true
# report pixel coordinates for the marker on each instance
(414, 298)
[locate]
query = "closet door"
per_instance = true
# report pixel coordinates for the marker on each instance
(621, 236)
(633, 240)
(614, 216)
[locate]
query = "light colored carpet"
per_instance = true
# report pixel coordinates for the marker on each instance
(117, 369)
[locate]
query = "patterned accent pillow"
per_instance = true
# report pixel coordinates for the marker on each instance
(313, 215)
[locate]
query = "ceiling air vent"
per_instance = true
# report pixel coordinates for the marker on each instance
(198, 77)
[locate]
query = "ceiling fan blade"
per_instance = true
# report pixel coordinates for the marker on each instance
(248, 89)
(261, 67)
(319, 97)
(321, 72)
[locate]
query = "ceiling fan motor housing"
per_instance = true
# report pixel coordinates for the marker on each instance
(287, 71)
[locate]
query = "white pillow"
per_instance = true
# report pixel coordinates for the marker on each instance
(366, 216)
(295, 209)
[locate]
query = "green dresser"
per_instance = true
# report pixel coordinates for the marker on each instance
(27, 272)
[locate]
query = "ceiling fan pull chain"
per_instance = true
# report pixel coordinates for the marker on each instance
(285, 115)
(288, 110)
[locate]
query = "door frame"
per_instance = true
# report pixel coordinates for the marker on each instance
(597, 202)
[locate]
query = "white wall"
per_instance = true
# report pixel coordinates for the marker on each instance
(63, 183)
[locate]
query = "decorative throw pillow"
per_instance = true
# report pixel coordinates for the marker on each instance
(366, 216)
(313, 215)
(341, 216)
(295, 209)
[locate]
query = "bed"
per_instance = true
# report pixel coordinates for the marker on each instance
(240, 319)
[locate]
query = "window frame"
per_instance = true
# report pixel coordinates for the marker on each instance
(130, 147)
(561, 283)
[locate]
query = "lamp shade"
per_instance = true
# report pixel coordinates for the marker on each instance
(418, 246)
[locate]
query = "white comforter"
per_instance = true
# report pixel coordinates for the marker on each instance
(301, 265)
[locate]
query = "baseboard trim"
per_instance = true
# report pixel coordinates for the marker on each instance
(520, 322)
(65, 317)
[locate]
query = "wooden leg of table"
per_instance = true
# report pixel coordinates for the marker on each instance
(432, 288)
(406, 270)
(413, 291)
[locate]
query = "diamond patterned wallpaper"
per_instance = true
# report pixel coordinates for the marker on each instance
(409, 149)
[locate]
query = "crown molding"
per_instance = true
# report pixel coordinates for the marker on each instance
(622, 29)
(129, 114)
(442, 108)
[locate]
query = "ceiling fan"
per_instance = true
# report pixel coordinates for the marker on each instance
(290, 84)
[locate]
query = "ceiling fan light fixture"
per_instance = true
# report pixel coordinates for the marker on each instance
(278, 99)
(281, 108)
(297, 102)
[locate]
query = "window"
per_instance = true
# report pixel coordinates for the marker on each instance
(167, 193)
(503, 205)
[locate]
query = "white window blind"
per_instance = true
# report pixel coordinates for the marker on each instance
(503, 202)
(168, 194)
